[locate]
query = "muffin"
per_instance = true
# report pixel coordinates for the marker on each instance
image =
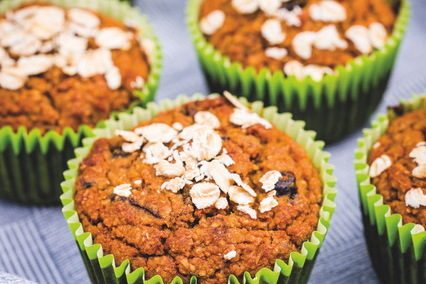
(315, 58)
(64, 69)
(391, 170)
(206, 189)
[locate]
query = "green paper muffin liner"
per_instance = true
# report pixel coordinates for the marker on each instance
(396, 250)
(32, 163)
(102, 268)
(333, 107)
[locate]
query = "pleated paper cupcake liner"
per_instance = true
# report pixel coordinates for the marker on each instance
(32, 163)
(333, 107)
(397, 250)
(102, 268)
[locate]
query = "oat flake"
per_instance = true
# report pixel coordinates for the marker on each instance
(230, 255)
(360, 36)
(277, 53)
(157, 132)
(239, 195)
(220, 175)
(207, 118)
(245, 119)
(269, 179)
(415, 198)
(267, 204)
(174, 185)
(380, 165)
(271, 30)
(221, 203)
(165, 168)
(327, 11)
(204, 194)
(245, 6)
(123, 190)
(212, 22)
(248, 210)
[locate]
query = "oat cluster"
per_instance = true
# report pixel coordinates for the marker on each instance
(36, 38)
(195, 156)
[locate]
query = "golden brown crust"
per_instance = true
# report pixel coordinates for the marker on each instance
(54, 100)
(163, 231)
(401, 137)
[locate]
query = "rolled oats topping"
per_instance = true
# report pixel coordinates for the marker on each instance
(267, 204)
(246, 119)
(212, 22)
(174, 185)
(239, 195)
(221, 203)
(230, 255)
(380, 165)
(124, 190)
(270, 7)
(207, 118)
(195, 154)
(245, 6)
(204, 194)
(415, 198)
(327, 11)
(302, 44)
(272, 31)
(157, 132)
(83, 18)
(41, 35)
(397, 161)
(360, 37)
(214, 206)
(113, 38)
(269, 180)
(248, 210)
(418, 154)
(276, 52)
(295, 68)
(320, 33)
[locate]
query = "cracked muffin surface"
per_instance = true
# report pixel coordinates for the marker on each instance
(84, 66)
(398, 166)
(133, 208)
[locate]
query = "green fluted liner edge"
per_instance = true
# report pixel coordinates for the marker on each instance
(333, 107)
(102, 268)
(397, 252)
(32, 163)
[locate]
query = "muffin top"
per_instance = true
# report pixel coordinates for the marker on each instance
(300, 37)
(398, 166)
(67, 67)
(207, 189)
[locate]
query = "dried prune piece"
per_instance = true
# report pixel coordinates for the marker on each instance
(86, 184)
(286, 185)
(189, 110)
(119, 153)
(293, 3)
(398, 109)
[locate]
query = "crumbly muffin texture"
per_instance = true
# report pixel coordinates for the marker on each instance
(206, 189)
(67, 67)
(398, 166)
(299, 37)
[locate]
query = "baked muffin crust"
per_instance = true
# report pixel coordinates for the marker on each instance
(301, 38)
(83, 66)
(398, 166)
(128, 206)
